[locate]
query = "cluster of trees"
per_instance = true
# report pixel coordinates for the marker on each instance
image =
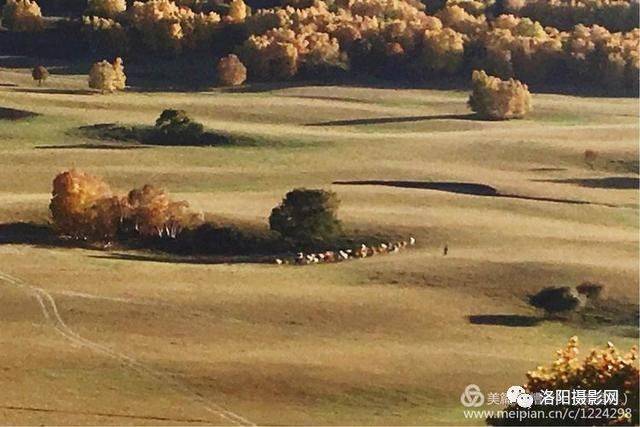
(393, 38)
(615, 15)
(108, 77)
(158, 26)
(495, 99)
(22, 15)
(399, 38)
(84, 207)
(601, 369)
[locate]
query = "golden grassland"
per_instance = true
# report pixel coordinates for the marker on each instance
(385, 340)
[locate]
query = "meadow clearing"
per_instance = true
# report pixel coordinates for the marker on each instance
(112, 337)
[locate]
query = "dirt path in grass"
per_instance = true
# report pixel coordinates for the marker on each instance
(51, 314)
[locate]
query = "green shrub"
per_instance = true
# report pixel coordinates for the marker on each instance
(591, 290)
(557, 299)
(307, 216)
(174, 127)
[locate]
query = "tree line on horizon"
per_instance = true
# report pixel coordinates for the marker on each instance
(592, 42)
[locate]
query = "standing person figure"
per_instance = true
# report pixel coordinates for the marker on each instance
(445, 251)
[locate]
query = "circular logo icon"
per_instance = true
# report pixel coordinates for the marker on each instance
(472, 396)
(525, 400)
(513, 392)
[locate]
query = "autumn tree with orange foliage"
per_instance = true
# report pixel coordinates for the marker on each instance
(231, 71)
(601, 369)
(84, 207)
(151, 212)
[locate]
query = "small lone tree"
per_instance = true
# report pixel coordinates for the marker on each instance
(495, 99)
(307, 216)
(556, 300)
(107, 77)
(176, 127)
(590, 157)
(119, 78)
(231, 71)
(39, 74)
(22, 15)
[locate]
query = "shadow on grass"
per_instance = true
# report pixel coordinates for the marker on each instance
(465, 188)
(13, 114)
(613, 182)
(53, 91)
(513, 320)
(178, 259)
(403, 119)
(92, 147)
(208, 243)
(623, 315)
(547, 169)
(147, 136)
(26, 233)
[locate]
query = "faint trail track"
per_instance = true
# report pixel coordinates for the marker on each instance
(52, 315)
(104, 414)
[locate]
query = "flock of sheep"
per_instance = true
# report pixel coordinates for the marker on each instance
(363, 251)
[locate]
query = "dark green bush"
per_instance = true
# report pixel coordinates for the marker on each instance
(307, 216)
(591, 290)
(174, 127)
(556, 300)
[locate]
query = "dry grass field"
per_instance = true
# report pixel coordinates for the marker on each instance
(110, 337)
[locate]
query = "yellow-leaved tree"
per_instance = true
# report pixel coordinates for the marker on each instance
(107, 77)
(22, 15)
(495, 99)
